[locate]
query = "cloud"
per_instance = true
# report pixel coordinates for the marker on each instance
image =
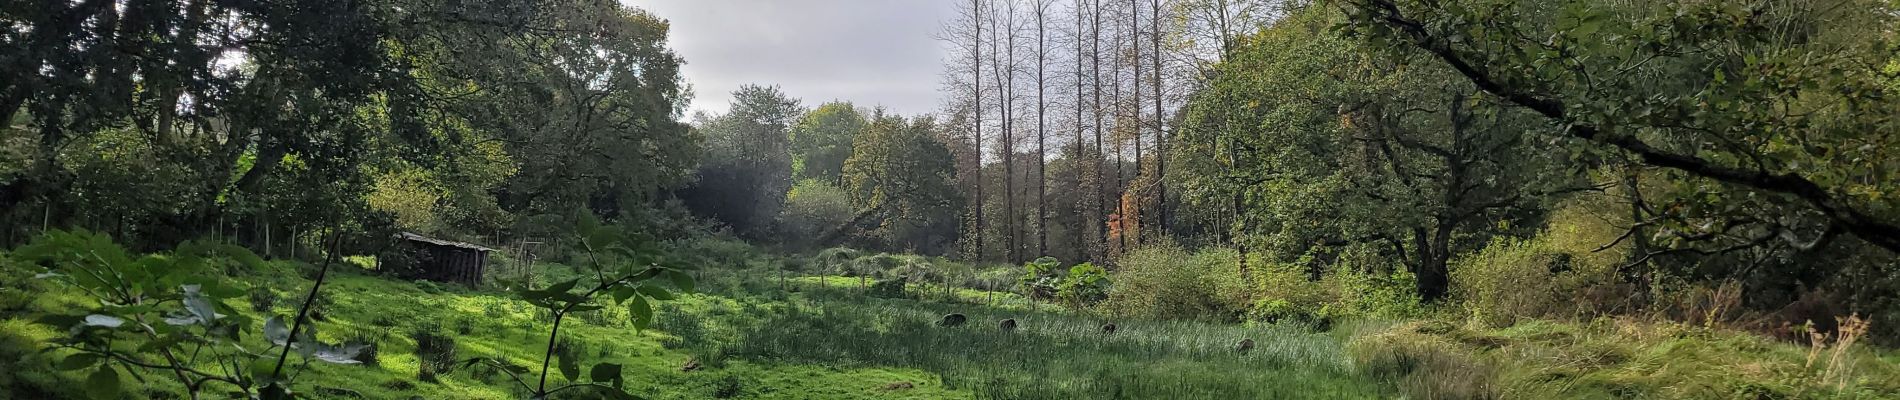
(871, 52)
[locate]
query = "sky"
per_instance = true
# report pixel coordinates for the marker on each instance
(870, 52)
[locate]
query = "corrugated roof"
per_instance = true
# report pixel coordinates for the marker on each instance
(450, 243)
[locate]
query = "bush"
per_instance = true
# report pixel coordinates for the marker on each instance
(1512, 279)
(262, 299)
(888, 288)
(812, 209)
(1166, 281)
(1085, 284)
(1040, 279)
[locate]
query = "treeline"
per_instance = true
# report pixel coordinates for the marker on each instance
(1634, 152)
(1073, 104)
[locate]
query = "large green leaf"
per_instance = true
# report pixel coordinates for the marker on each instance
(655, 292)
(103, 383)
(681, 280)
(606, 372)
(641, 311)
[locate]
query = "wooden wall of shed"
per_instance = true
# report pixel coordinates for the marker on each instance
(452, 264)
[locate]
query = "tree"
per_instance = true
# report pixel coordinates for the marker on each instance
(511, 107)
(1332, 146)
(1042, 111)
(1005, 29)
(748, 163)
(901, 180)
(1770, 147)
(822, 140)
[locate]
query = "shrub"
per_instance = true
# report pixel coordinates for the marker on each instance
(1085, 284)
(812, 209)
(262, 299)
(888, 288)
(1166, 281)
(1040, 279)
(1512, 279)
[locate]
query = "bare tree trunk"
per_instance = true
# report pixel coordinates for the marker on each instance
(1006, 78)
(1101, 178)
(976, 92)
(1161, 141)
(1081, 201)
(1121, 181)
(1042, 156)
(1134, 39)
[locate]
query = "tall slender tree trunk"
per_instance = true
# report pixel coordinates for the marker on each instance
(976, 94)
(1134, 39)
(1005, 78)
(1101, 178)
(1075, 165)
(1042, 155)
(1161, 139)
(1121, 180)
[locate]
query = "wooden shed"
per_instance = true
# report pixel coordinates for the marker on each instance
(444, 260)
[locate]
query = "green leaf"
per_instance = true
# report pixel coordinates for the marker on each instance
(562, 287)
(103, 383)
(606, 372)
(570, 367)
(78, 362)
(622, 293)
(681, 280)
(655, 292)
(200, 307)
(60, 321)
(642, 313)
(1587, 27)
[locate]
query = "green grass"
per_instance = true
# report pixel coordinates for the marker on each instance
(831, 340)
(1613, 358)
(1052, 355)
(753, 341)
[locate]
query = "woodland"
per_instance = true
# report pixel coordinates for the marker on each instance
(1143, 199)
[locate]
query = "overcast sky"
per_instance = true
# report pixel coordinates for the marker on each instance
(871, 52)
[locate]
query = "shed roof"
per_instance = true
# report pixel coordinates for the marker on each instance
(440, 242)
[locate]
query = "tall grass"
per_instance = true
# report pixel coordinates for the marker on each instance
(1050, 355)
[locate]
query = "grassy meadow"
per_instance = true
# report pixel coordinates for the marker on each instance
(747, 334)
